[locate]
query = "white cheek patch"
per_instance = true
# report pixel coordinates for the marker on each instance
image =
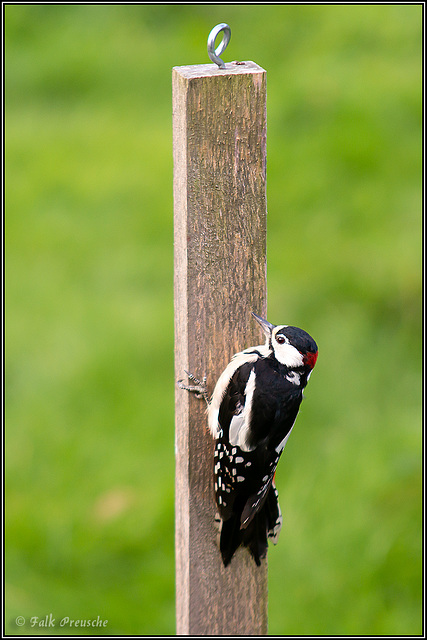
(288, 355)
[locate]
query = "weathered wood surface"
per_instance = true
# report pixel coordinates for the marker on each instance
(219, 140)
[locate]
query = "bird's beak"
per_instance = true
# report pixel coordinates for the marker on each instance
(266, 326)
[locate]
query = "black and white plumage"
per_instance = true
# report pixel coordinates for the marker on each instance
(251, 415)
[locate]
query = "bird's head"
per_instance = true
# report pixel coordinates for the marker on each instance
(291, 346)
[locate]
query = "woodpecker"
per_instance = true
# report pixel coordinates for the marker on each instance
(251, 415)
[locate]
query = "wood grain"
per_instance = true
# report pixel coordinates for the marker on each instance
(219, 146)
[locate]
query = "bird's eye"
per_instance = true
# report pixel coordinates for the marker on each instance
(281, 339)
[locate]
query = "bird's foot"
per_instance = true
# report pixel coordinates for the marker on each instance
(199, 387)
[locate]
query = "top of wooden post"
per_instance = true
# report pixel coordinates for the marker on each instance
(208, 70)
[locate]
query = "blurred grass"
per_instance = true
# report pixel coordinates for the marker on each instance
(89, 308)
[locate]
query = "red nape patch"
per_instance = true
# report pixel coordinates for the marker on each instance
(310, 359)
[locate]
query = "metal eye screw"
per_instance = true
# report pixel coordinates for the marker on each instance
(215, 53)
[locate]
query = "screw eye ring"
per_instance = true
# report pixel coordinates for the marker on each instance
(215, 53)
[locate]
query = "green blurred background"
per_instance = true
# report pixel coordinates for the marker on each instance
(89, 308)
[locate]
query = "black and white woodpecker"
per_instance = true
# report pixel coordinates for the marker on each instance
(251, 414)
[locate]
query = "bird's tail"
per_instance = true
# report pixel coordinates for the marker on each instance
(264, 524)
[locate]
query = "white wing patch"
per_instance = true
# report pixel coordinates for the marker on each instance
(240, 424)
(237, 361)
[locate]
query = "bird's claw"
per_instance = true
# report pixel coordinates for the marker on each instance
(199, 388)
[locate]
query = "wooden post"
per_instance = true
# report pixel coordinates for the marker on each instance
(219, 146)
